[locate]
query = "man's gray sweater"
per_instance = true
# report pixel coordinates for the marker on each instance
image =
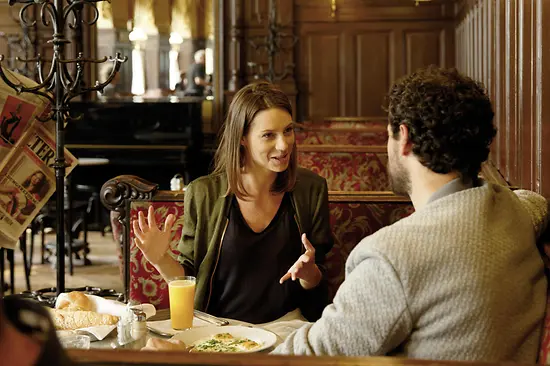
(460, 279)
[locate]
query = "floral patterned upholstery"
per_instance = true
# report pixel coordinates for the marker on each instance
(544, 349)
(348, 171)
(328, 137)
(351, 222)
(342, 123)
(146, 283)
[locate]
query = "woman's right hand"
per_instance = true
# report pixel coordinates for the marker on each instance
(152, 241)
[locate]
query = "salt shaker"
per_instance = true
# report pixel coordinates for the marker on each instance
(124, 327)
(139, 325)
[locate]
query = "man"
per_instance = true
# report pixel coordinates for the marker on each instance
(196, 77)
(461, 278)
(182, 84)
(27, 335)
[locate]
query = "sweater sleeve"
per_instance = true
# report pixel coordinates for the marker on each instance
(537, 207)
(369, 316)
(186, 246)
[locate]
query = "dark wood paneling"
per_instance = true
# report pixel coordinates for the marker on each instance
(372, 10)
(344, 63)
(374, 72)
(366, 60)
(506, 45)
(423, 48)
(320, 67)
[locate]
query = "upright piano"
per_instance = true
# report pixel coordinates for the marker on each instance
(153, 139)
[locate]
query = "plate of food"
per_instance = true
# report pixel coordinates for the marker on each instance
(227, 339)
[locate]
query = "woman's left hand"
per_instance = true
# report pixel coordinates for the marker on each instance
(304, 268)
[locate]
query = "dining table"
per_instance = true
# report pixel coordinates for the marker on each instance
(158, 327)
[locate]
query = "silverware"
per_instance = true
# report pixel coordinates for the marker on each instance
(159, 332)
(210, 318)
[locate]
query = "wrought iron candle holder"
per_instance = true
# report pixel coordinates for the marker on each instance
(273, 44)
(59, 87)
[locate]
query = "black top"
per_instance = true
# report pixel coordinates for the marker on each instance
(33, 320)
(246, 281)
(196, 70)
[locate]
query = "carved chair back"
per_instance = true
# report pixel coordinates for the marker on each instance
(125, 196)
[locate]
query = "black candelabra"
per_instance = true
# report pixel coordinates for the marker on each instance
(273, 43)
(59, 87)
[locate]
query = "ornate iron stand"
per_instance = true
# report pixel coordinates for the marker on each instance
(64, 86)
(273, 44)
(25, 43)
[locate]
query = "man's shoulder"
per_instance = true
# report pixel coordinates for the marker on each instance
(537, 207)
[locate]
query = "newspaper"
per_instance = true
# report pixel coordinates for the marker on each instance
(27, 152)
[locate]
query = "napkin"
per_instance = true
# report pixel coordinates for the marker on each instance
(106, 306)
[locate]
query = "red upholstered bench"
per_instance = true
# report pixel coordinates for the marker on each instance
(544, 350)
(340, 137)
(354, 122)
(354, 215)
(347, 168)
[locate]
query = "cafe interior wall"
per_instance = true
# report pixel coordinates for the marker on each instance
(157, 19)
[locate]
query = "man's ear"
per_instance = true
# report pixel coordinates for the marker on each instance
(405, 145)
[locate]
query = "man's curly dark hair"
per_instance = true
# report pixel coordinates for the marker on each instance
(449, 117)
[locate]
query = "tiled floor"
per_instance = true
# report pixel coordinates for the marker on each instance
(104, 271)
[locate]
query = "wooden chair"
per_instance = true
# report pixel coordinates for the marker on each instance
(127, 195)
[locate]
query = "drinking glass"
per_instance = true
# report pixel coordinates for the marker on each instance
(181, 291)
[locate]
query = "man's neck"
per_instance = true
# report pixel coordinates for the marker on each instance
(425, 184)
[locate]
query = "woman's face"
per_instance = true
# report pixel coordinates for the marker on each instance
(37, 178)
(270, 141)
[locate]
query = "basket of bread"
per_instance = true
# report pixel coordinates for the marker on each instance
(89, 314)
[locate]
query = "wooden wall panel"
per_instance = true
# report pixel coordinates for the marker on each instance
(370, 81)
(344, 62)
(369, 58)
(422, 48)
(509, 51)
(321, 66)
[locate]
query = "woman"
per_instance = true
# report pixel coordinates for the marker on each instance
(257, 221)
(18, 205)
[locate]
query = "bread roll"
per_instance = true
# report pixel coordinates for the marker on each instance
(157, 344)
(76, 301)
(70, 320)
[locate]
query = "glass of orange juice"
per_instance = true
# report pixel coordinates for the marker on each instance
(181, 291)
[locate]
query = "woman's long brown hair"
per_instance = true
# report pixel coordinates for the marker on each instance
(230, 155)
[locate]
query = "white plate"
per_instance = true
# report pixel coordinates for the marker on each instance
(265, 338)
